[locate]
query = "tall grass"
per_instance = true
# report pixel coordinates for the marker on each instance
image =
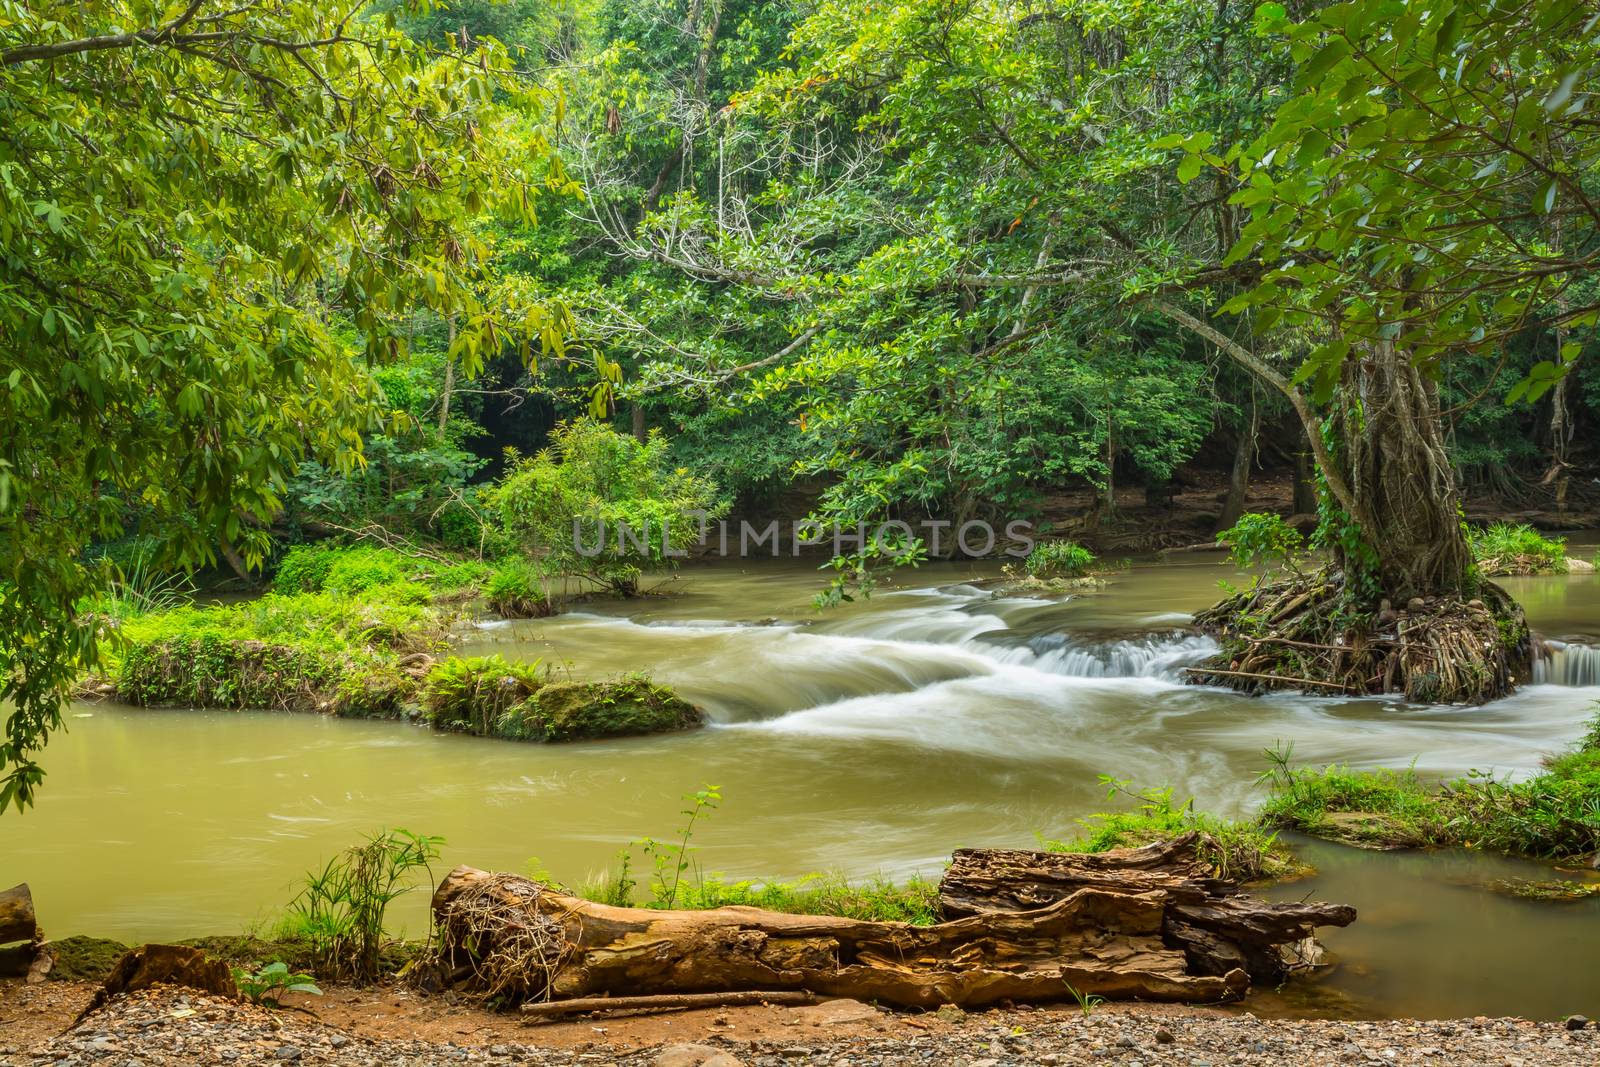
(341, 908)
(1553, 815)
(1506, 548)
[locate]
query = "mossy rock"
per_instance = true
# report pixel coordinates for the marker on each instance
(492, 698)
(85, 959)
(574, 711)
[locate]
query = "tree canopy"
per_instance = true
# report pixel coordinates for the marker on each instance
(282, 270)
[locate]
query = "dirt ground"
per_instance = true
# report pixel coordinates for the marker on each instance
(33, 1014)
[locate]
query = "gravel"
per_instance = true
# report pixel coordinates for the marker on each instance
(172, 1028)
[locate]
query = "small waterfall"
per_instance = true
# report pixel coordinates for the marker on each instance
(1150, 656)
(1561, 663)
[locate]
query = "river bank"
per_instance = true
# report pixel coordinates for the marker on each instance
(866, 741)
(172, 1028)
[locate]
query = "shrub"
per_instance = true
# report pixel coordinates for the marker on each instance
(471, 695)
(212, 670)
(1059, 559)
(1263, 540)
(304, 568)
(517, 590)
(589, 483)
(1510, 548)
(303, 652)
(364, 567)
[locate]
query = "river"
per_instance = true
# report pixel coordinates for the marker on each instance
(869, 739)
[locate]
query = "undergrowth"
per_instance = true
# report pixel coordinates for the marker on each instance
(1506, 548)
(1239, 851)
(1059, 559)
(1553, 815)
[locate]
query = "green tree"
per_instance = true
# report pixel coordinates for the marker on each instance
(602, 505)
(187, 196)
(1426, 194)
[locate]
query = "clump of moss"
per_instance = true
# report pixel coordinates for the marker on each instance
(492, 698)
(571, 711)
(85, 959)
(1549, 816)
(1515, 548)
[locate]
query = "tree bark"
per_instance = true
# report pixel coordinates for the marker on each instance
(505, 936)
(1217, 927)
(1403, 487)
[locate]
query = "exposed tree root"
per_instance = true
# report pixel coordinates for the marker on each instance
(1303, 633)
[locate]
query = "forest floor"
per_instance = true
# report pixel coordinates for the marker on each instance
(1188, 516)
(168, 1027)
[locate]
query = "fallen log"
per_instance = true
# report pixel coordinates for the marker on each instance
(17, 919)
(1216, 926)
(555, 1009)
(512, 939)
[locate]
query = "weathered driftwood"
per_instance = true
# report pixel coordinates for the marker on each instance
(17, 920)
(511, 938)
(538, 1011)
(1217, 927)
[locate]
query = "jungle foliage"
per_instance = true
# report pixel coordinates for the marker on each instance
(291, 272)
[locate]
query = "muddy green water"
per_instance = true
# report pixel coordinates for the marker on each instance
(870, 740)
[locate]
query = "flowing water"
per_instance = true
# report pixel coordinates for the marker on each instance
(868, 740)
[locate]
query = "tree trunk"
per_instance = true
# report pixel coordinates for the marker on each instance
(641, 432)
(1239, 479)
(449, 380)
(1305, 486)
(1400, 479)
(508, 937)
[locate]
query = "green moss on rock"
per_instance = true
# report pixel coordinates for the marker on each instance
(492, 698)
(571, 711)
(85, 959)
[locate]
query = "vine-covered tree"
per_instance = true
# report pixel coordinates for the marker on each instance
(188, 194)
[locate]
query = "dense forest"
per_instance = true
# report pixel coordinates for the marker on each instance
(284, 272)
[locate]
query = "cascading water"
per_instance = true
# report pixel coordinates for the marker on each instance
(1570, 664)
(870, 739)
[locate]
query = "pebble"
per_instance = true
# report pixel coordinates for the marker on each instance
(139, 1031)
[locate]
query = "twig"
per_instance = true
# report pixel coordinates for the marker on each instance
(662, 1003)
(1269, 677)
